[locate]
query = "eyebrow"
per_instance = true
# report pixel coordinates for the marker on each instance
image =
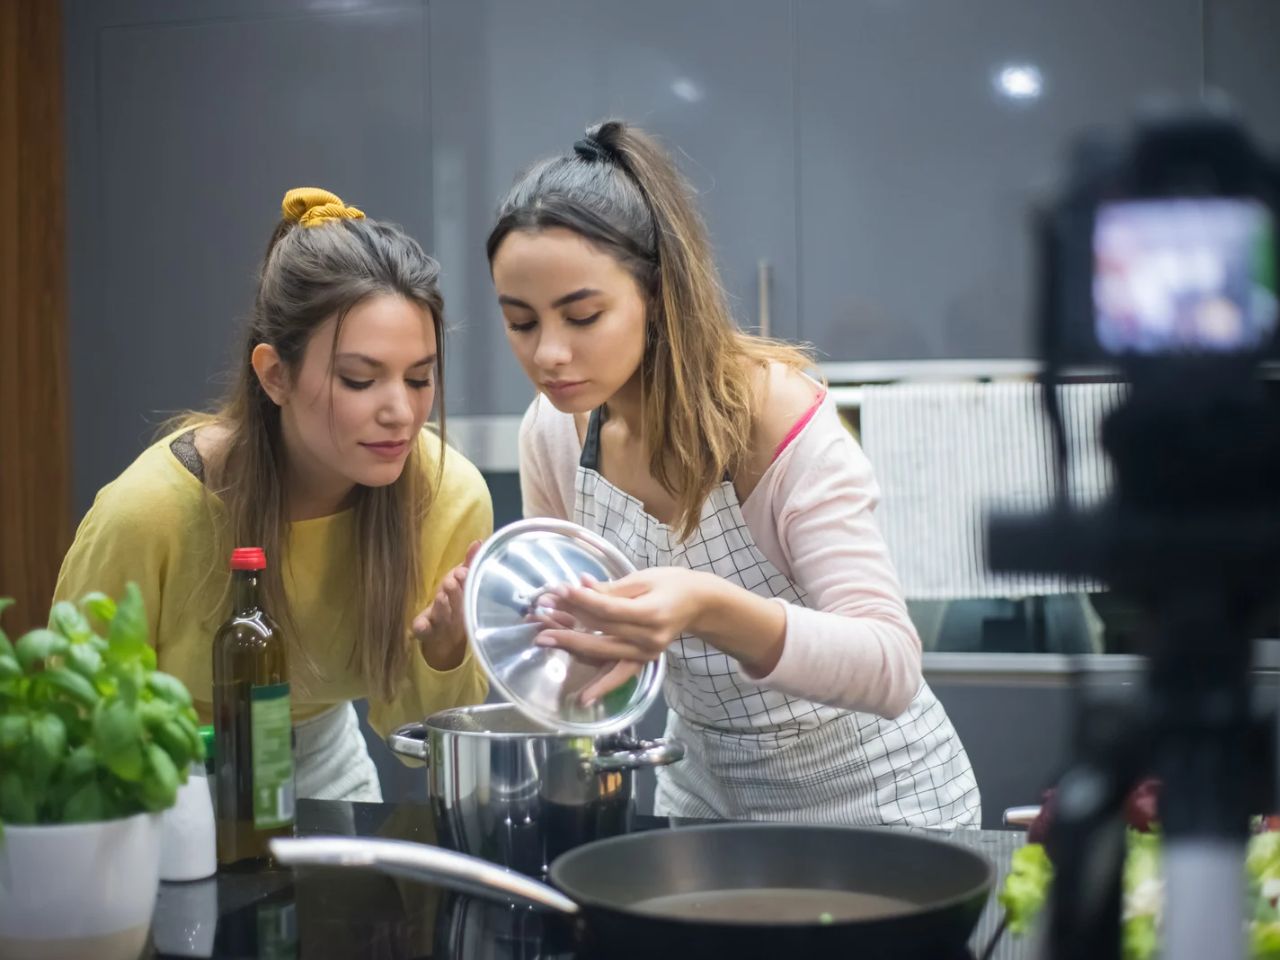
(568, 298)
(378, 364)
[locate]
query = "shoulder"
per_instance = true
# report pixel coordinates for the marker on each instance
(153, 485)
(785, 396)
(548, 436)
(458, 477)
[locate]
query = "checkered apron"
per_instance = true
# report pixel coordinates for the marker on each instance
(756, 753)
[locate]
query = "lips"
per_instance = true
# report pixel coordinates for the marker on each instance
(563, 386)
(389, 449)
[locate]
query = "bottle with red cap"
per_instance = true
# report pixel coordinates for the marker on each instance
(253, 730)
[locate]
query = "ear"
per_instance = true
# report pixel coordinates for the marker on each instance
(271, 372)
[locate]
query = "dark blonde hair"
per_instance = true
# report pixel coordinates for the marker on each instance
(309, 275)
(621, 191)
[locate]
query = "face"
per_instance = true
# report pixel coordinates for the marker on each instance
(575, 317)
(350, 411)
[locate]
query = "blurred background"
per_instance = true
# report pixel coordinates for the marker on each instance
(865, 168)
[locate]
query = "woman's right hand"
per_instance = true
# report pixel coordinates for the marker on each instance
(610, 674)
(441, 629)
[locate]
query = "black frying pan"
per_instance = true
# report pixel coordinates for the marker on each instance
(738, 890)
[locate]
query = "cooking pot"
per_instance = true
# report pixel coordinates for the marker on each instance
(744, 891)
(507, 789)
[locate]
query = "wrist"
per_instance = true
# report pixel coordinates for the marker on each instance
(750, 628)
(444, 653)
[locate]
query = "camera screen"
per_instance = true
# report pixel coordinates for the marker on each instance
(1184, 276)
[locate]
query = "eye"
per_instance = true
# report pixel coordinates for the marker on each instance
(521, 327)
(419, 384)
(584, 321)
(356, 384)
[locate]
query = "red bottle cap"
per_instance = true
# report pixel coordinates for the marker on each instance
(248, 558)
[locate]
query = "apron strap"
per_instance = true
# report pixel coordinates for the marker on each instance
(590, 459)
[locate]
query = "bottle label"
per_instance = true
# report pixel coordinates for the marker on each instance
(272, 756)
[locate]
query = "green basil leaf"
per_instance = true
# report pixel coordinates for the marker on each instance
(155, 713)
(127, 636)
(99, 644)
(88, 804)
(17, 800)
(99, 606)
(191, 730)
(81, 762)
(117, 736)
(9, 666)
(6, 648)
(84, 660)
(72, 684)
(66, 619)
(169, 688)
(173, 739)
(160, 788)
(46, 748)
(15, 731)
(39, 645)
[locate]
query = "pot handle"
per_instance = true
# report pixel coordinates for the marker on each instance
(640, 753)
(410, 741)
(426, 864)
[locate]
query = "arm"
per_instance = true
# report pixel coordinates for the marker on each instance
(854, 646)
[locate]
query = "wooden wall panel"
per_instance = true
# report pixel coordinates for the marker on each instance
(35, 516)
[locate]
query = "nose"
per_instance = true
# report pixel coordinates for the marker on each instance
(553, 348)
(397, 407)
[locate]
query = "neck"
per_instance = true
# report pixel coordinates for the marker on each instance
(625, 405)
(311, 490)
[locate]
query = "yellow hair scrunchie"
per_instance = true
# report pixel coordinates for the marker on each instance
(311, 207)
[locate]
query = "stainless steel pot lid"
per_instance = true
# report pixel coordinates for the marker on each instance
(508, 577)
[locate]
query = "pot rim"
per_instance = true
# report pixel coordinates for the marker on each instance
(430, 723)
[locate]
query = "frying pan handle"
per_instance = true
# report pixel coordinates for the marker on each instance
(1020, 816)
(410, 741)
(417, 861)
(642, 753)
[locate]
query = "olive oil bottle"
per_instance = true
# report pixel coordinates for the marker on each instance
(252, 726)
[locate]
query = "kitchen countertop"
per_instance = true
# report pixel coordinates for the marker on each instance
(360, 914)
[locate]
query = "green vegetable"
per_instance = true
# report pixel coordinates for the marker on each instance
(1027, 886)
(89, 729)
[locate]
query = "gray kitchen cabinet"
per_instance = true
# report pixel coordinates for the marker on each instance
(923, 128)
(187, 121)
(1242, 60)
(514, 81)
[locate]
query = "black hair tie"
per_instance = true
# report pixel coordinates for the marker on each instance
(591, 150)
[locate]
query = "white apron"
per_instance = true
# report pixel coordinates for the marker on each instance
(755, 753)
(331, 759)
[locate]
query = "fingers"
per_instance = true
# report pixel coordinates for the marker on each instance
(590, 604)
(593, 646)
(471, 553)
(609, 680)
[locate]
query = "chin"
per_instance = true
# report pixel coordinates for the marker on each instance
(380, 477)
(583, 403)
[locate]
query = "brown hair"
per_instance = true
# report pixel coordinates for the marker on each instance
(309, 275)
(622, 192)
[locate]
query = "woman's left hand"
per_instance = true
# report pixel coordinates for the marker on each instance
(635, 618)
(440, 629)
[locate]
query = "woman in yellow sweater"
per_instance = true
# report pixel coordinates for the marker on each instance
(320, 456)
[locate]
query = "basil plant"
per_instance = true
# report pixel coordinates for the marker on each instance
(89, 728)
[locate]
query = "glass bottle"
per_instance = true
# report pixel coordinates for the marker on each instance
(253, 731)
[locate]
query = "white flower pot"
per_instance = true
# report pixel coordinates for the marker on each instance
(79, 889)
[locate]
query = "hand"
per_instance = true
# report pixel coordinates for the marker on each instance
(609, 675)
(441, 629)
(632, 619)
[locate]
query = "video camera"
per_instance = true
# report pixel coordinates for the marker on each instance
(1158, 263)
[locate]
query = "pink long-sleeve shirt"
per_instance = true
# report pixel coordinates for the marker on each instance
(811, 516)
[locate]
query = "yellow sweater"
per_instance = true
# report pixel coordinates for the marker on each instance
(152, 525)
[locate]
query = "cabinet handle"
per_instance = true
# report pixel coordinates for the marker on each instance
(764, 284)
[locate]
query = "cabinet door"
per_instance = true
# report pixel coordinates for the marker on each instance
(514, 81)
(1242, 60)
(924, 126)
(187, 121)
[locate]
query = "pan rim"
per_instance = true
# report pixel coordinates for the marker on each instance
(982, 888)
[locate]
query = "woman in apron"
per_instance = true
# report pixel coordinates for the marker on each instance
(725, 475)
(319, 456)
